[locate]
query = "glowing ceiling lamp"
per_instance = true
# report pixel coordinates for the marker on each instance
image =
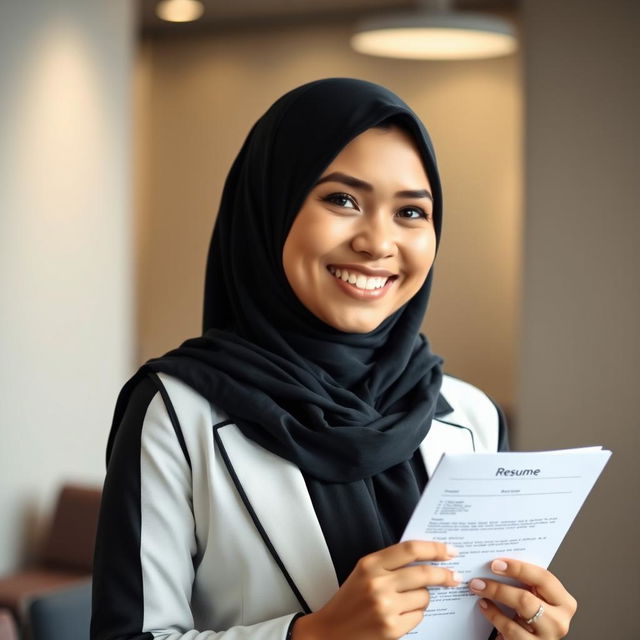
(435, 32)
(179, 10)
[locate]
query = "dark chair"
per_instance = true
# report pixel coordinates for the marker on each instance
(64, 614)
(67, 555)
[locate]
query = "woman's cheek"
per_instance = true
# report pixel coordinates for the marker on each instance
(422, 251)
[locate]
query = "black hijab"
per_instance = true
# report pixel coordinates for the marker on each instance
(341, 406)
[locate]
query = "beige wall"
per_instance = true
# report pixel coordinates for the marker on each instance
(202, 93)
(66, 320)
(580, 368)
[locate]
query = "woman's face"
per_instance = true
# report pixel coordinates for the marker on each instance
(363, 241)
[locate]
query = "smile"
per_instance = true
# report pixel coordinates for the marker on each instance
(359, 285)
(359, 280)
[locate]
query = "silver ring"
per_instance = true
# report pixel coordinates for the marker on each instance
(536, 615)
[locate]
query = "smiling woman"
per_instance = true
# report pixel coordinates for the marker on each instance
(260, 475)
(355, 258)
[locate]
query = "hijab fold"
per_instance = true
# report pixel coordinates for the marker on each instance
(341, 406)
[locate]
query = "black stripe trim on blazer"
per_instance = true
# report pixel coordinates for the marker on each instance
(254, 517)
(173, 416)
(118, 612)
(503, 429)
(460, 426)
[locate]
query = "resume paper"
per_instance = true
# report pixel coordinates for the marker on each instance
(490, 505)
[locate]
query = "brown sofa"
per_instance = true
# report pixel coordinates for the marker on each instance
(8, 629)
(67, 554)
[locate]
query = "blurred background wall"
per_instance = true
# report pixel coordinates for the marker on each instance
(200, 93)
(579, 369)
(66, 329)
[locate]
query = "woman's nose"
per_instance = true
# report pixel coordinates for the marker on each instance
(375, 237)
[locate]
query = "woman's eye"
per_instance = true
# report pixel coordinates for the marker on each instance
(419, 213)
(340, 199)
(343, 200)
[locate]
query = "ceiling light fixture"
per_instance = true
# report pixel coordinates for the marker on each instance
(179, 10)
(435, 31)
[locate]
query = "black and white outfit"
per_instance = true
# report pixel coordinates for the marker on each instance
(250, 468)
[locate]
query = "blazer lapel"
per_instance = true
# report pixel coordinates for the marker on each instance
(278, 496)
(444, 437)
(275, 492)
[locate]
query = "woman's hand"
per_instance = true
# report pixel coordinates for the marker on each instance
(383, 598)
(543, 610)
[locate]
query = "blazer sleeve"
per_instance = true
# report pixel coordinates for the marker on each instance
(145, 544)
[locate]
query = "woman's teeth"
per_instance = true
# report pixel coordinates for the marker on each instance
(359, 280)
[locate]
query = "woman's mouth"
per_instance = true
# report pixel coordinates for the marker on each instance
(360, 285)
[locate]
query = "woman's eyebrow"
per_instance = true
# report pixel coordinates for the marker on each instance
(365, 186)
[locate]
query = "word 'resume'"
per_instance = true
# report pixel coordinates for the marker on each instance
(517, 472)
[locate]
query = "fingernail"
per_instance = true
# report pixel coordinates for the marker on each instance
(483, 604)
(498, 565)
(452, 551)
(477, 585)
(456, 576)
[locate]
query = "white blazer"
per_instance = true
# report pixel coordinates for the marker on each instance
(230, 546)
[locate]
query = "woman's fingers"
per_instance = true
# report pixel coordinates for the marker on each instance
(507, 627)
(544, 597)
(522, 601)
(385, 595)
(425, 575)
(416, 600)
(404, 553)
(546, 584)
(552, 621)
